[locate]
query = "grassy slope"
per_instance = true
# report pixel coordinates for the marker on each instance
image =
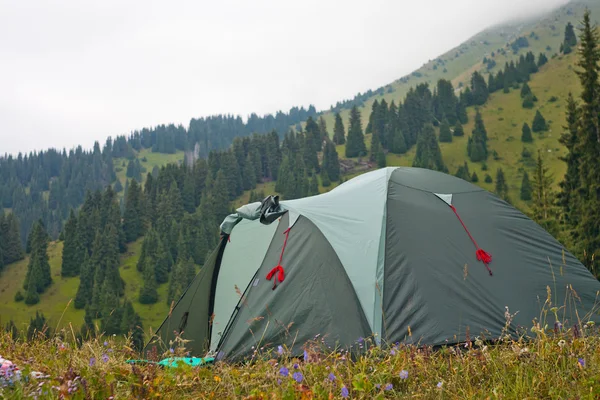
(461, 61)
(58, 299)
(152, 160)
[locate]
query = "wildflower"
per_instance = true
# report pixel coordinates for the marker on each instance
(105, 343)
(331, 377)
(296, 366)
(171, 350)
(378, 386)
(284, 371)
(393, 352)
(105, 357)
(280, 350)
(217, 379)
(439, 385)
(92, 361)
(403, 374)
(345, 392)
(298, 376)
(279, 381)
(581, 362)
(561, 343)
(305, 356)
(360, 340)
(389, 386)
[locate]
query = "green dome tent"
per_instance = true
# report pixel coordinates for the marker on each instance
(402, 254)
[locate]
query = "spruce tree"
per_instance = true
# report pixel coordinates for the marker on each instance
(375, 146)
(148, 293)
(539, 123)
(525, 90)
(479, 89)
(445, 133)
(543, 196)
(331, 162)
(71, 254)
(501, 186)
(355, 145)
(458, 130)
(314, 186)
(86, 284)
(323, 128)
(325, 178)
(249, 176)
(570, 39)
(111, 309)
(38, 276)
(399, 142)
(477, 144)
(381, 161)
(525, 187)
(162, 262)
(568, 198)
(474, 177)
(428, 154)
(339, 133)
(588, 146)
(526, 134)
(132, 218)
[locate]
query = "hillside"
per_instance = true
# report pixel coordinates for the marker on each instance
(544, 34)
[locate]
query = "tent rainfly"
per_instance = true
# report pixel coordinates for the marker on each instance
(399, 254)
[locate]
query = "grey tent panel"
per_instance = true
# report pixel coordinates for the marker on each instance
(316, 297)
(436, 286)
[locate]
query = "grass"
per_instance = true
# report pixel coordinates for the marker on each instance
(151, 160)
(555, 363)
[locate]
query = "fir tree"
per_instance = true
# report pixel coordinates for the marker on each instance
(323, 129)
(86, 284)
(339, 135)
(355, 145)
(38, 276)
(501, 186)
(162, 262)
(381, 161)
(463, 172)
(325, 179)
(474, 177)
(132, 218)
(148, 293)
(567, 198)
(428, 154)
(71, 254)
(477, 144)
(528, 102)
(458, 130)
(525, 90)
(445, 133)
(526, 134)
(570, 39)
(479, 89)
(539, 123)
(314, 186)
(543, 196)
(399, 142)
(525, 187)
(330, 161)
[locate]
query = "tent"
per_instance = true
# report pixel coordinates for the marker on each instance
(399, 254)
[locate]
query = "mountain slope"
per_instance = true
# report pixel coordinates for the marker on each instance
(544, 34)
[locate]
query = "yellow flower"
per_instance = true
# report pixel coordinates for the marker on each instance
(217, 379)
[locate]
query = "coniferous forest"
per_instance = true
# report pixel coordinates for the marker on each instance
(176, 210)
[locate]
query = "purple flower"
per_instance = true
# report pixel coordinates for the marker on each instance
(389, 386)
(92, 361)
(345, 392)
(439, 385)
(331, 377)
(403, 374)
(393, 352)
(305, 356)
(105, 357)
(284, 371)
(360, 340)
(557, 325)
(295, 366)
(279, 350)
(378, 386)
(298, 376)
(581, 362)
(105, 343)
(171, 350)
(279, 381)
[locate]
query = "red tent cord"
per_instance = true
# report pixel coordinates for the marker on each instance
(481, 254)
(279, 268)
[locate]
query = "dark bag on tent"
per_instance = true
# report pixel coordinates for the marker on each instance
(270, 210)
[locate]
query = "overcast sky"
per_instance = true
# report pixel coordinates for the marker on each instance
(72, 72)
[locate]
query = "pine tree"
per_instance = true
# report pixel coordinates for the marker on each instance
(339, 135)
(132, 218)
(539, 123)
(458, 130)
(71, 254)
(570, 39)
(463, 172)
(86, 284)
(162, 263)
(355, 145)
(525, 90)
(588, 146)
(474, 177)
(543, 196)
(325, 179)
(445, 133)
(479, 89)
(528, 102)
(381, 161)
(314, 186)
(477, 144)
(38, 276)
(526, 134)
(501, 187)
(567, 198)
(525, 187)
(188, 193)
(428, 154)
(148, 293)
(375, 146)
(111, 309)
(249, 175)
(323, 128)
(399, 142)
